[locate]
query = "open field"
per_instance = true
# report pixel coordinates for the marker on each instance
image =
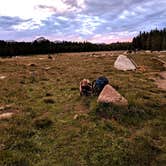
(53, 125)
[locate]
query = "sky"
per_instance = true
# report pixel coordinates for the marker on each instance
(97, 21)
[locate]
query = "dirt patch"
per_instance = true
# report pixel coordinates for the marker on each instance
(162, 56)
(161, 80)
(81, 109)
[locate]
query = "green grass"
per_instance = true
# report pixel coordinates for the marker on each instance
(46, 132)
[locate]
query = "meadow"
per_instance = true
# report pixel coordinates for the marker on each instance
(54, 125)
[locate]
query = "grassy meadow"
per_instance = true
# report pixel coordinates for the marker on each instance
(54, 126)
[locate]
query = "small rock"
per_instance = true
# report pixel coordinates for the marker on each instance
(47, 68)
(32, 65)
(49, 101)
(2, 146)
(50, 57)
(2, 77)
(48, 94)
(75, 117)
(2, 108)
(6, 107)
(6, 115)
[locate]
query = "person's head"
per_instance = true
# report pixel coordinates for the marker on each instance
(85, 82)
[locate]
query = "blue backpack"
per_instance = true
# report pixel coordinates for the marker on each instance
(99, 84)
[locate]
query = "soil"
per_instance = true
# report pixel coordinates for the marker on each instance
(161, 81)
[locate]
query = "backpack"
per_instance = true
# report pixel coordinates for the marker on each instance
(99, 84)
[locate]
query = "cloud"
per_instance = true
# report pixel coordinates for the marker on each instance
(36, 10)
(113, 37)
(7, 23)
(28, 25)
(93, 20)
(46, 8)
(31, 8)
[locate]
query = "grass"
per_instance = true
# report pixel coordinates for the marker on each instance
(46, 132)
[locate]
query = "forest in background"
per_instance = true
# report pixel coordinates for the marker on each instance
(47, 47)
(153, 40)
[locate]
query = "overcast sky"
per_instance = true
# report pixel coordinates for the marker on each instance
(79, 20)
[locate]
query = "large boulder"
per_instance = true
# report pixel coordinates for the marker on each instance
(110, 95)
(124, 63)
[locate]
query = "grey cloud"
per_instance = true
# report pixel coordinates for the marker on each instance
(7, 22)
(50, 8)
(72, 3)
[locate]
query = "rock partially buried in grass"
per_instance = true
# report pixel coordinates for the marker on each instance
(75, 117)
(2, 77)
(124, 63)
(6, 107)
(42, 122)
(50, 57)
(7, 114)
(47, 68)
(110, 95)
(49, 101)
(32, 65)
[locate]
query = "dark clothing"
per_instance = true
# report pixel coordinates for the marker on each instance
(86, 90)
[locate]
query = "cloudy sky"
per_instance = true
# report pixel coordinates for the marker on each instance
(79, 20)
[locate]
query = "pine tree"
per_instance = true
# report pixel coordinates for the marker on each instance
(164, 44)
(148, 43)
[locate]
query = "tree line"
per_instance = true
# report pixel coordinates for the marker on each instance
(155, 40)
(9, 49)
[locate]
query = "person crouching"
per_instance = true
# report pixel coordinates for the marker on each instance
(85, 88)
